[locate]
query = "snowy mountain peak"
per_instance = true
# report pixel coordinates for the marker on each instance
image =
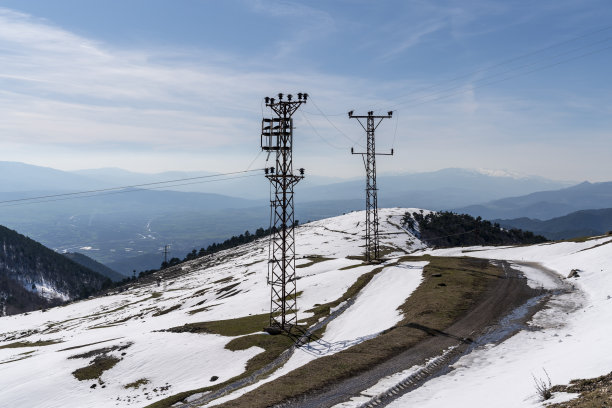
(501, 173)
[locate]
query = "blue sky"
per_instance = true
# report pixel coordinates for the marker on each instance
(152, 85)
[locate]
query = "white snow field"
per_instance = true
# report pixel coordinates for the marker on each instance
(570, 338)
(232, 286)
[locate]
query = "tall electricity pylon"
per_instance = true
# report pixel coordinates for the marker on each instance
(277, 136)
(372, 251)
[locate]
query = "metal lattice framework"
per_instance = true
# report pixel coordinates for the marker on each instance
(277, 136)
(372, 251)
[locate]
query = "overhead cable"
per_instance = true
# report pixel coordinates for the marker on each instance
(130, 188)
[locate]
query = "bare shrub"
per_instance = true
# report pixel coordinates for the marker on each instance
(543, 386)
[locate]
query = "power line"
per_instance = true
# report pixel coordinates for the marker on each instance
(335, 127)
(253, 162)
(509, 70)
(104, 192)
(437, 94)
(395, 132)
(318, 134)
(442, 96)
(169, 184)
(513, 59)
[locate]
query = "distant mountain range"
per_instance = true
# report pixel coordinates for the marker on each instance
(577, 224)
(545, 205)
(126, 229)
(437, 190)
(466, 185)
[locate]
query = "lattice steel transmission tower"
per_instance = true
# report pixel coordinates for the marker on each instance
(372, 251)
(277, 136)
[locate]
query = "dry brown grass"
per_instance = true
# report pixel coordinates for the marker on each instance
(430, 306)
(39, 343)
(96, 368)
(594, 393)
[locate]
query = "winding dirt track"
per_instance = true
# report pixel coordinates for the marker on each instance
(506, 295)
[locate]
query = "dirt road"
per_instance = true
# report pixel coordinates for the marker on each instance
(507, 305)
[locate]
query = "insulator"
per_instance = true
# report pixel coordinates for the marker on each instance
(302, 172)
(299, 95)
(305, 96)
(390, 113)
(267, 100)
(289, 97)
(280, 96)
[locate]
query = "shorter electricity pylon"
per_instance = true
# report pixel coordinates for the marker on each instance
(372, 250)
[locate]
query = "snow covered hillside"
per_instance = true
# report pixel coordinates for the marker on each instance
(570, 339)
(125, 337)
(36, 349)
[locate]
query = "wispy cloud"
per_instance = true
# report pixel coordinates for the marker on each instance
(414, 36)
(61, 87)
(308, 23)
(197, 110)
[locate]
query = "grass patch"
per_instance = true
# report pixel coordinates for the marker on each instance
(101, 351)
(594, 393)
(224, 280)
(430, 307)
(273, 346)
(321, 311)
(39, 343)
(27, 355)
(229, 294)
(230, 327)
(227, 288)
(168, 310)
(155, 295)
(356, 257)
(96, 368)
(596, 246)
(136, 384)
(202, 309)
(384, 250)
(297, 295)
(200, 292)
(581, 239)
(89, 344)
(346, 268)
(314, 260)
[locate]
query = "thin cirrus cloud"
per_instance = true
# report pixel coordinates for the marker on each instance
(64, 89)
(59, 87)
